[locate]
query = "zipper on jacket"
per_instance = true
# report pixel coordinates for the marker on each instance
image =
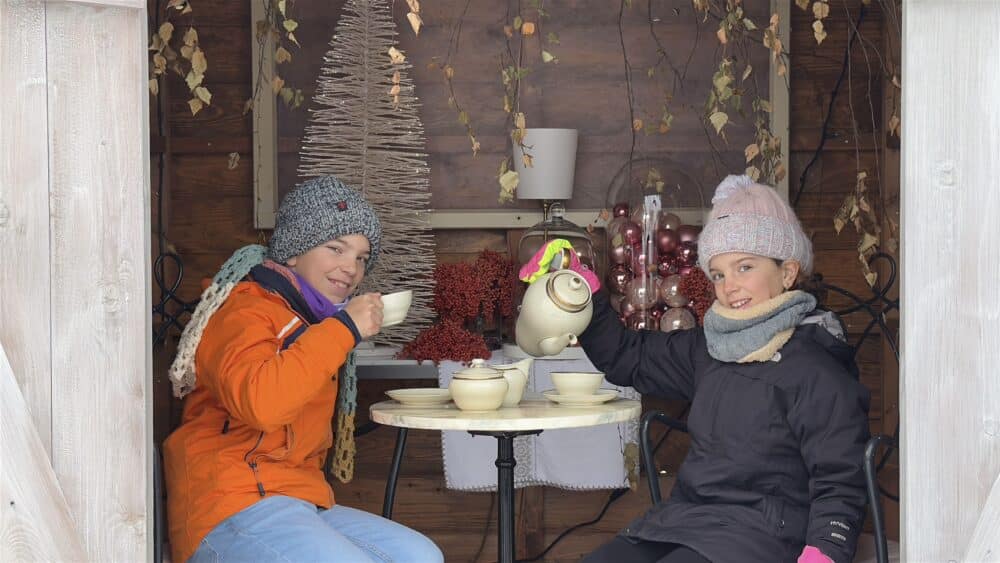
(225, 426)
(253, 464)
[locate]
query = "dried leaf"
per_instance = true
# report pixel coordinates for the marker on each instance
(721, 34)
(753, 172)
(193, 79)
(156, 43)
(281, 7)
(415, 22)
(203, 94)
(818, 32)
(519, 121)
(396, 56)
(821, 9)
(746, 72)
(719, 120)
(191, 37)
(281, 55)
(894, 125)
(414, 5)
(277, 83)
(247, 106)
(475, 145)
(394, 91)
(291, 37)
(166, 31)
(463, 117)
(287, 95)
(159, 63)
(547, 57)
(187, 9)
(154, 86)
(290, 25)
(552, 38)
(517, 22)
(198, 62)
(604, 215)
(195, 104)
(804, 4)
(751, 151)
(187, 51)
(749, 25)
(177, 4)
(765, 105)
(508, 31)
(234, 160)
(867, 242)
(508, 183)
(449, 72)
(779, 172)
(527, 160)
(528, 29)
(637, 124)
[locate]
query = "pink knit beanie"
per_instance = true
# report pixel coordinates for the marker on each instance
(752, 218)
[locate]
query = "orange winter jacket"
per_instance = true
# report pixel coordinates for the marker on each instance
(258, 422)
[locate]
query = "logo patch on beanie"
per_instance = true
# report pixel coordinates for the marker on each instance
(342, 205)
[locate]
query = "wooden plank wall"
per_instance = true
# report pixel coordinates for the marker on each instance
(950, 392)
(210, 213)
(24, 207)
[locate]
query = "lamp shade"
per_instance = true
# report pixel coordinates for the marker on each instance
(553, 154)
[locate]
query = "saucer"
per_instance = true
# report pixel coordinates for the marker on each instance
(420, 397)
(601, 396)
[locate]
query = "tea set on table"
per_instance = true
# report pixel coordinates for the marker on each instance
(556, 307)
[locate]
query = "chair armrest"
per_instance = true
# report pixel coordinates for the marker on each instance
(872, 486)
(646, 447)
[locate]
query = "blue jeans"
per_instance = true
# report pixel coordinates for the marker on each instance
(287, 529)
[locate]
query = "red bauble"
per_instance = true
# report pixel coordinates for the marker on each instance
(643, 293)
(655, 313)
(621, 254)
(688, 233)
(620, 209)
(668, 220)
(618, 278)
(632, 233)
(642, 320)
(628, 308)
(666, 265)
(642, 263)
(666, 240)
(687, 254)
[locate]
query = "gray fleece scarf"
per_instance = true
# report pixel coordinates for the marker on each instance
(757, 333)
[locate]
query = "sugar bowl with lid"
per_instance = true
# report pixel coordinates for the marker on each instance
(478, 387)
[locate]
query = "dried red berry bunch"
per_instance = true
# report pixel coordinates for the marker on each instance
(446, 340)
(463, 291)
(699, 289)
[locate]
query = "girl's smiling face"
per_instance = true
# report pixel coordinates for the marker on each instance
(743, 280)
(334, 268)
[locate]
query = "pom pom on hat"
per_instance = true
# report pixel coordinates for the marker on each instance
(322, 209)
(752, 218)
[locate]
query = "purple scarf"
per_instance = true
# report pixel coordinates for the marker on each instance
(318, 303)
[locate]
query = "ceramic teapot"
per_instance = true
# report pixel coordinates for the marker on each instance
(555, 309)
(478, 387)
(516, 375)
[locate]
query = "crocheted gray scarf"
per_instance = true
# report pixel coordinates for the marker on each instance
(740, 335)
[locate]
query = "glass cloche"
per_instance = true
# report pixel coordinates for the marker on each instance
(557, 226)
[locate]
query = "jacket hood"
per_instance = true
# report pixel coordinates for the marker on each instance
(826, 329)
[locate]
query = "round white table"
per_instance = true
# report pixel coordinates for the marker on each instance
(532, 416)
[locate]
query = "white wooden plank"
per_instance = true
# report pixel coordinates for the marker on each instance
(950, 392)
(985, 544)
(134, 4)
(24, 206)
(35, 523)
(99, 186)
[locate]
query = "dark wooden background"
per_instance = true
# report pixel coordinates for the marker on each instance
(204, 209)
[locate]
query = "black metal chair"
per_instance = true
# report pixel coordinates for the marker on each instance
(876, 307)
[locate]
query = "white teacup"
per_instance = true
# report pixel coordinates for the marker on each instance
(577, 382)
(395, 306)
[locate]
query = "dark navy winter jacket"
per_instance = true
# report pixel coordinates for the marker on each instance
(776, 447)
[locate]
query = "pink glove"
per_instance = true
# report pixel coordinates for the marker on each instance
(551, 256)
(813, 555)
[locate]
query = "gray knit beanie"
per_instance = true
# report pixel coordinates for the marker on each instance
(318, 210)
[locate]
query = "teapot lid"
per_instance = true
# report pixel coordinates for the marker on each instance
(478, 370)
(568, 290)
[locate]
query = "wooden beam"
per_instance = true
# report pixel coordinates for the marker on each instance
(35, 521)
(100, 267)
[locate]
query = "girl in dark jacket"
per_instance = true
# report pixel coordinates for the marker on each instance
(778, 418)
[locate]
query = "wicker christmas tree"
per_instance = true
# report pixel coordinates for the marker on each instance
(366, 131)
